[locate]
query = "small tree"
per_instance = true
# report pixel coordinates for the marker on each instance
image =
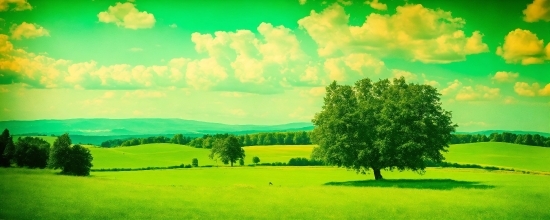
(195, 162)
(228, 149)
(76, 160)
(241, 162)
(255, 160)
(79, 161)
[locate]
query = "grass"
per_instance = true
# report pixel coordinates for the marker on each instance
(501, 154)
(297, 193)
(173, 154)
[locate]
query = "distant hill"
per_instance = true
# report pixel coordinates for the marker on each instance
(139, 127)
(488, 132)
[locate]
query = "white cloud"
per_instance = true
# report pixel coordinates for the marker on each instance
(302, 2)
(467, 93)
(377, 5)
(108, 94)
(539, 10)
(414, 33)
(127, 16)
(503, 76)
(402, 73)
(452, 86)
(173, 25)
(27, 30)
(524, 89)
(522, 46)
(545, 91)
(20, 5)
(510, 100)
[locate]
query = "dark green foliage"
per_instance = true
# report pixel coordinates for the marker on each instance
(195, 162)
(177, 139)
(75, 160)
(255, 160)
(304, 162)
(228, 150)
(526, 139)
(241, 162)
(79, 161)
(382, 125)
(31, 152)
(7, 148)
(59, 152)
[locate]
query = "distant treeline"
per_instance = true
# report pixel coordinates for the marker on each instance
(526, 139)
(269, 138)
(303, 138)
(206, 141)
(177, 139)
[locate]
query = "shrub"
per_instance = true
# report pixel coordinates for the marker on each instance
(188, 166)
(241, 162)
(195, 162)
(255, 160)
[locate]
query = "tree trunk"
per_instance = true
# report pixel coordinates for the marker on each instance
(377, 174)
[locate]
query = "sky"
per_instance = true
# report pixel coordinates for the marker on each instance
(268, 62)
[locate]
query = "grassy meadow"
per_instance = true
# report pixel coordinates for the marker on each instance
(297, 192)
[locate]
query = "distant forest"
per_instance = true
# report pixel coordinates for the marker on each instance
(303, 138)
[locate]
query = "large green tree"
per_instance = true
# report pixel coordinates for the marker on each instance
(228, 150)
(382, 125)
(75, 160)
(7, 148)
(31, 152)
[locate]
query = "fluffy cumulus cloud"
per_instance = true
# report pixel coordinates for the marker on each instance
(127, 15)
(523, 46)
(539, 10)
(524, 89)
(451, 87)
(15, 5)
(376, 4)
(405, 74)
(27, 30)
(503, 76)
(414, 32)
(480, 92)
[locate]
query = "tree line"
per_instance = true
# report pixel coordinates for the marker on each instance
(33, 152)
(266, 138)
(525, 139)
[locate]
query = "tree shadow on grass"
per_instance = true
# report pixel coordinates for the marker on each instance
(435, 184)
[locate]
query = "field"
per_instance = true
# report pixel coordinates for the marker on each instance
(501, 154)
(172, 154)
(297, 192)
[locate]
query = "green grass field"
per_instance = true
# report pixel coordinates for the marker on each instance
(173, 154)
(297, 193)
(501, 154)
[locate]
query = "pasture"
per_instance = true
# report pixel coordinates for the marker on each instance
(297, 193)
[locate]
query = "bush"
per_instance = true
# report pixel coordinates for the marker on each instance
(195, 162)
(255, 160)
(304, 162)
(31, 152)
(241, 162)
(188, 166)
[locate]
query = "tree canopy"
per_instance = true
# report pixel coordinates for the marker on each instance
(382, 125)
(75, 160)
(7, 148)
(229, 150)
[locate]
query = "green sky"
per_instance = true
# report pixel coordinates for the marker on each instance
(267, 62)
